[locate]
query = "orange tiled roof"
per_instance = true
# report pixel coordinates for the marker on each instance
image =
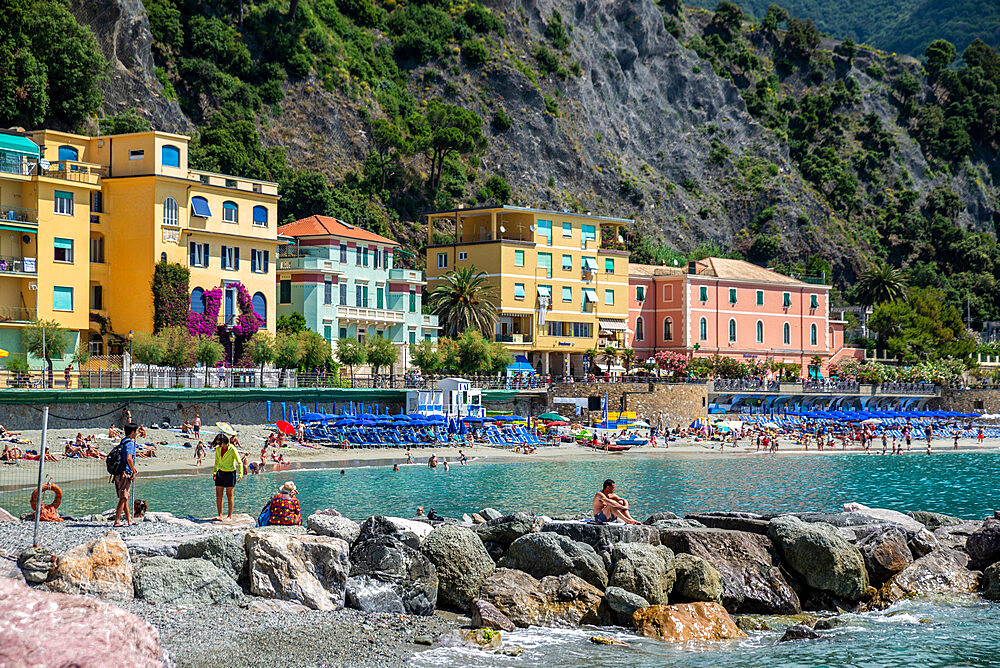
(744, 271)
(321, 226)
(654, 270)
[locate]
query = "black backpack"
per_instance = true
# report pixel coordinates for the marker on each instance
(115, 461)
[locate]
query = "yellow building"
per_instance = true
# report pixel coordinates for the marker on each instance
(144, 205)
(562, 278)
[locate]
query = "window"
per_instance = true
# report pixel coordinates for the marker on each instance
(97, 250)
(64, 202)
(379, 296)
(260, 216)
(590, 264)
(364, 296)
(668, 329)
(357, 256)
(63, 250)
(567, 293)
(230, 257)
(343, 253)
(358, 296)
(587, 233)
(413, 336)
(567, 230)
(377, 253)
(197, 254)
(328, 290)
(260, 306)
(364, 257)
(760, 298)
(413, 300)
(198, 300)
(703, 294)
(567, 263)
(545, 293)
(171, 212)
(136, 154)
(97, 297)
(170, 156)
(96, 204)
(640, 329)
(813, 335)
(786, 334)
(285, 291)
(62, 299)
(609, 297)
(230, 212)
(554, 328)
(703, 329)
(814, 301)
(581, 330)
(519, 258)
(640, 293)
(545, 263)
(732, 295)
(343, 332)
(462, 255)
(343, 295)
(545, 230)
(230, 183)
(668, 293)
(786, 299)
(443, 261)
(760, 331)
(200, 208)
(68, 153)
(519, 291)
(732, 330)
(609, 266)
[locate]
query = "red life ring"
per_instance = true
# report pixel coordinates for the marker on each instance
(49, 510)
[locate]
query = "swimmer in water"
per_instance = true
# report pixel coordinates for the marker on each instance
(395, 467)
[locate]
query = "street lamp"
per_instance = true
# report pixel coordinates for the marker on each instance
(131, 336)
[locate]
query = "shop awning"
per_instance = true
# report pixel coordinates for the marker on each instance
(611, 325)
(544, 291)
(590, 263)
(589, 295)
(18, 144)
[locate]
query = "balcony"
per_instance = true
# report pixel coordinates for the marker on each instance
(409, 275)
(17, 214)
(72, 170)
(364, 314)
(16, 314)
(513, 338)
(430, 321)
(20, 266)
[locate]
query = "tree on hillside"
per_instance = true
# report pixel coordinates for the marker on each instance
(387, 146)
(922, 327)
(124, 122)
(304, 194)
(444, 130)
(880, 283)
(728, 17)
(802, 37)
(465, 300)
(47, 340)
(939, 54)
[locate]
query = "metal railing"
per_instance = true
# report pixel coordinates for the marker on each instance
(18, 265)
(831, 386)
(18, 214)
(17, 314)
(745, 385)
(906, 388)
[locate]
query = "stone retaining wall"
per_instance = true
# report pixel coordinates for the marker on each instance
(967, 401)
(660, 403)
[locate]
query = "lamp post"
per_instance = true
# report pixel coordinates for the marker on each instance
(131, 336)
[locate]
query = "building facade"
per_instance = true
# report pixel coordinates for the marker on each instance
(561, 278)
(732, 308)
(341, 278)
(108, 208)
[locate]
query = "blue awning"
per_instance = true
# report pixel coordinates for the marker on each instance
(520, 367)
(199, 207)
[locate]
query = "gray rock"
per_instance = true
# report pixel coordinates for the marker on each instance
(623, 603)
(934, 520)
(384, 570)
(984, 545)
(36, 563)
(656, 517)
(752, 581)
(821, 556)
(991, 582)
(602, 536)
(546, 553)
(156, 546)
(462, 564)
(225, 550)
(478, 519)
(9, 569)
(467, 519)
(490, 514)
(661, 525)
(799, 632)
(955, 536)
(565, 600)
(192, 581)
(750, 522)
(335, 526)
(921, 543)
(941, 573)
(409, 532)
(696, 580)
(885, 553)
(287, 529)
(644, 570)
(311, 570)
(484, 614)
(505, 530)
(827, 623)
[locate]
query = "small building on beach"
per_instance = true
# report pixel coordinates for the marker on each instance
(455, 398)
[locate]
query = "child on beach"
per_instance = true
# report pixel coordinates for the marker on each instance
(199, 452)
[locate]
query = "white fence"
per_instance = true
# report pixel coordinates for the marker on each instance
(148, 375)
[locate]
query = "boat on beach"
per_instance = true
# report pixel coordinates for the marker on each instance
(612, 447)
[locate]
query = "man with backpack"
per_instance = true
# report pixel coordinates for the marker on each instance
(121, 467)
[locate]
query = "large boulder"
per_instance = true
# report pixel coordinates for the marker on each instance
(991, 582)
(696, 580)
(984, 545)
(10, 569)
(410, 532)
(100, 568)
(36, 563)
(43, 629)
(943, 572)
(7, 517)
(505, 530)
(335, 526)
(484, 615)
(665, 515)
(156, 546)
(462, 564)
(645, 570)
(311, 570)
(752, 581)
(565, 600)
(490, 514)
(602, 536)
(623, 604)
(955, 536)
(885, 553)
(388, 575)
(224, 549)
(821, 556)
(737, 521)
(686, 622)
(190, 582)
(546, 553)
(934, 520)
(885, 515)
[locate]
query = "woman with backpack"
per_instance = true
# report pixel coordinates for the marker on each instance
(227, 472)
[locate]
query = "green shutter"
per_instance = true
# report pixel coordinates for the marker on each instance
(609, 266)
(62, 299)
(65, 244)
(519, 291)
(519, 258)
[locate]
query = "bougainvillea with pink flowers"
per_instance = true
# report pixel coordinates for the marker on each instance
(207, 323)
(671, 362)
(248, 322)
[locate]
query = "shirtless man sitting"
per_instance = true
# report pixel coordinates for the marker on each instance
(608, 505)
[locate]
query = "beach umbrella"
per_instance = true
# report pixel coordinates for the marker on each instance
(462, 428)
(284, 427)
(226, 428)
(452, 428)
(558, 423)
(551, 416)
(639, 424)
(696, 424)
(3, 353)
(313, 417)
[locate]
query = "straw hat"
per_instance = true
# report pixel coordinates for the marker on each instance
(289, 488)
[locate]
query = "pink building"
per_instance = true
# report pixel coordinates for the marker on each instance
(731, 308)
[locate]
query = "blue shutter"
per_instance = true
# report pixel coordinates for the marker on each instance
(253, 261)
(260, 215)
(204, 255)
(224, 262)
(170, 156)
(236, 257)
(266, 260)
(200, 208)
(191, 252)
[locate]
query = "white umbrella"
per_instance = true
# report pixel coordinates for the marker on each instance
(639, 424)
(871, 421)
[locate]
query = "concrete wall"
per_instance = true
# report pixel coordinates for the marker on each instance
(658, 403)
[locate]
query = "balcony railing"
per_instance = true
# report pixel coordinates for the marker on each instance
(513, 338)
(17, 314)
(406, 275)
(17, 214)
(369, 314)
(18, 265)
(71, 170)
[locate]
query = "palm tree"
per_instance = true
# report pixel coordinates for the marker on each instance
(880, 283)
(628, 359)
(610, 355)
(591, 354)
(465, 301)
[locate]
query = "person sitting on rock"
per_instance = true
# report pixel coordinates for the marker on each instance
(608, 506)
(285, 508)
